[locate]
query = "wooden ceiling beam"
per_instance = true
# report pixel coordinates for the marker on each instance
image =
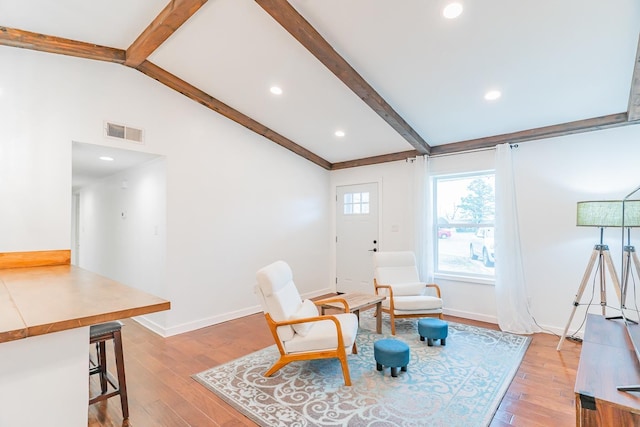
(43, 43)
(579, 126)
(176, 13)
(302, 31)
(385, 158)
(40, 42)
(57, 45)
(633, 110)
(212, 103)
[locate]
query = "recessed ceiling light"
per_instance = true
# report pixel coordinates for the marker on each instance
(106, 158)
(339, 133)
(276, 90)
(492, 95)
(452, 10)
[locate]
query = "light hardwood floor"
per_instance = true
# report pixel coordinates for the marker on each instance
(162, 392)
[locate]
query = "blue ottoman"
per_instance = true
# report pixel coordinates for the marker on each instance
(433, 329)
(393, 354)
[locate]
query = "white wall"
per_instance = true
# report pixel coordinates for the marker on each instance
(395, 197)
(235, 201)
(122, 228)
(551, 177)
(464, 299)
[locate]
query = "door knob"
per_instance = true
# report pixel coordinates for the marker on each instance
(373, 250)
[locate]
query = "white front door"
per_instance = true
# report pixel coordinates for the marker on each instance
(356, 236)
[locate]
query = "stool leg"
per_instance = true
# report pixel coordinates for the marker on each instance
(122, 383)
(429, 342)
(443, 341)
(394, 371)
(378, 367)
(403, 369)
(101, 353)
(421, 338)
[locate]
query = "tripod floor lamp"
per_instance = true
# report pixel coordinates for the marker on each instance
(631, 213)
(597, 214)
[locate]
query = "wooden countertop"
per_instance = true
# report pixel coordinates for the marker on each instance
(41, 300)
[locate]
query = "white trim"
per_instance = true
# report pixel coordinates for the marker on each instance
(472, 316)
(466, 279)
(213, 320)
(334, 230)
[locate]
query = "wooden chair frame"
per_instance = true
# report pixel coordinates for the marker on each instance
(339, 352)
(391, 310)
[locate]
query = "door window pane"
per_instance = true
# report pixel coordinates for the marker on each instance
(356, 203)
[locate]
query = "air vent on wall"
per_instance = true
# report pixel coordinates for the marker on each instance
(124, 132)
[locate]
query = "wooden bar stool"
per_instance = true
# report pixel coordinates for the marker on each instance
(100, 334)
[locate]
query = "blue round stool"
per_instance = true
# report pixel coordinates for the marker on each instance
(393, 354)
(433, 329)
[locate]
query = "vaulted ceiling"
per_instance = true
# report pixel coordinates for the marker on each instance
(397, 77)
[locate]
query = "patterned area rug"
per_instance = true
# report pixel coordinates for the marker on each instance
(460, 384)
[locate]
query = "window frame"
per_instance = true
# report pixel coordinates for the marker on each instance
(437, 224)
(358, 203)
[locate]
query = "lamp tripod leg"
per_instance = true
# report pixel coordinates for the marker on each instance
(629, 256)
(585, 278)
(636, 262)
(603, 286)
(612, 274)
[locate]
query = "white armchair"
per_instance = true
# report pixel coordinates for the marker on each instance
(396, 277)
(298, 330)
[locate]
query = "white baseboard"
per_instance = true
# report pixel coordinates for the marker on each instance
(470, 315)
(554, 330)
(213, 320)
(197, 324)
(151, 325)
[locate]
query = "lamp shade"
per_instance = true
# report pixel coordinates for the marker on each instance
(608, 213)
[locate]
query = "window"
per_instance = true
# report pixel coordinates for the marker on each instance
(356, 203)
(465, 211)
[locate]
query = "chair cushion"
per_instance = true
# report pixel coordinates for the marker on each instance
(274, 277)
(306, 309)
(414, 303)
(387, 275)
(279, 295)
(323, 335)
(395, 267)
(406, 289)
(394, 259)
(104, 328)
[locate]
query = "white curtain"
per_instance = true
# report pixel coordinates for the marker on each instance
(422, 218)
(511, 290)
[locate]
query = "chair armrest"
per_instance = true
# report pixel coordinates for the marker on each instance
(273, 325)
(339, 300)
(307, 320)
(378, 286)
(436, 287)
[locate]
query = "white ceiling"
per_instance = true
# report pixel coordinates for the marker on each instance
(554, 61)
(87, 167)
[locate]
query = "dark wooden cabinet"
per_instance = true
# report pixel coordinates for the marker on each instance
(607, 360)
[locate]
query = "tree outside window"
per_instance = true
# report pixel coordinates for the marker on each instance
(465, 212)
